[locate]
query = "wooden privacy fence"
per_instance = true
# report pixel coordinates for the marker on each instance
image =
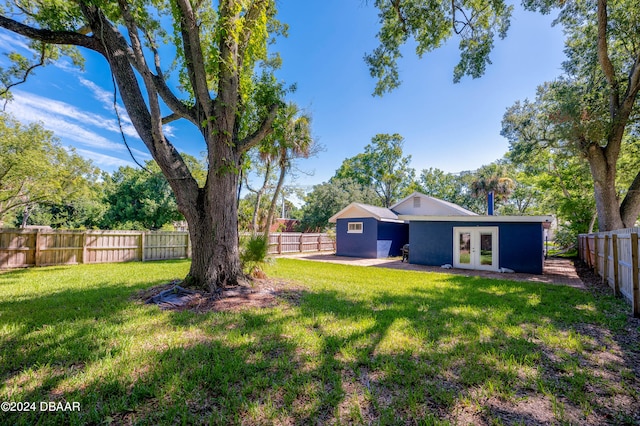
(614, 256)
(23, 248)
(296, 242)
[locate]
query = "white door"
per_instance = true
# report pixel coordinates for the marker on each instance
(475, 248)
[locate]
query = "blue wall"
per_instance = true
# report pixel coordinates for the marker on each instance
(391, 238)
(521, 247)
(431, 243)
(357, 245)
(377, 240)
(519, 244)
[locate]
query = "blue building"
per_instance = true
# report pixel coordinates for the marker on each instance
(369, 231)
(441, 233)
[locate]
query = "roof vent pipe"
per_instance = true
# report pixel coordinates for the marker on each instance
(490, 199)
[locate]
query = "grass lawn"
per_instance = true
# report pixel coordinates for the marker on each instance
(360, 345)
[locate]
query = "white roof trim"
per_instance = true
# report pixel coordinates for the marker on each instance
(391, 220)
(367, 212)
(514, 219)
(448, 204)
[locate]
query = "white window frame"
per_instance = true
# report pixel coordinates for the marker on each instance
(354, 229)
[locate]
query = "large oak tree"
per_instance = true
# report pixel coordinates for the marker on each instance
(593, 110)
(35, 169)
(217, 49)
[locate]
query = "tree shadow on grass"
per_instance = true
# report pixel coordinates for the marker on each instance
(473, 351)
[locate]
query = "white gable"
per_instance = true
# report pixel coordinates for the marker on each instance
(357, 211)
(418, 204)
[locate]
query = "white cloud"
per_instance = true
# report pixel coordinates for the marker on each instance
(12, 42)
(169, 130)
(58, 117)
(105, 161)
(65, 65)
(41, 105)
(105, 97)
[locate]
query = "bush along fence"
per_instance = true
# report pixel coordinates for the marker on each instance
(614, 256)
(21, 248)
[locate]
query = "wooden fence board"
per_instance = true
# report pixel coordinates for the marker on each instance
(614, 256)
(24, 248)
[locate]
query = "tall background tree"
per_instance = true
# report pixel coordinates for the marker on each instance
(139, 198)
(452, 187)
(329, 198)
(290, 140)
(36, 170)
(492, 185)
(592, 110)
(381, 166)
(261, 164)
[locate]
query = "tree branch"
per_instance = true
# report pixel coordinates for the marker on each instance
(250, 18)
(264, 130)
(193, 54)
(40, 63)
(630, 207)
(49, 36)
(605, 61)
(403, 21)
(115, 51)
(152, 95)
(171, 118)
(177, 106)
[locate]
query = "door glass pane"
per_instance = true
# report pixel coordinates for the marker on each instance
(486, 248)
(465, 248)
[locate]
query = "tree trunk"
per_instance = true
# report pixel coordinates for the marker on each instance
(604, 189)
(256, 208)
(259, 193)
(26, 212)
(630, 207)
(213, 228)
(274, 200)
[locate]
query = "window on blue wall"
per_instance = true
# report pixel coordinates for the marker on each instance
(354, 228)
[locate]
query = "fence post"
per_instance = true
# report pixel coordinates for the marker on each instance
(605, 261)
(84, 246)
(587, 251)
(37, 251)
(614, 247)
(579, 246)
(635, 294)
(300, 243)
(142, 239)
(319, 242)
(595, 249)
(280, 243)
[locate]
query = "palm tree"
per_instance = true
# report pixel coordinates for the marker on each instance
(291, 140)
(491, 182)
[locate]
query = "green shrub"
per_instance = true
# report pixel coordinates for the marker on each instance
(254, 254)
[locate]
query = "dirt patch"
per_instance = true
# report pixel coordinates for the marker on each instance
(628, 337)
(263, 293)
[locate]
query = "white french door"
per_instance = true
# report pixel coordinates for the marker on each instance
(475, 248)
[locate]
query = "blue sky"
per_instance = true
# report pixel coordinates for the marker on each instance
(449, 126)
